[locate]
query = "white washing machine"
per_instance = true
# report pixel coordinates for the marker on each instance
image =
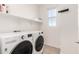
(16, 43)
(38, 41)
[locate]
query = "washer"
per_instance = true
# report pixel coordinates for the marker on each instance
(38, 41)
(16, 43)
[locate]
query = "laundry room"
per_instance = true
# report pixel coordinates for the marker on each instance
(39, 29)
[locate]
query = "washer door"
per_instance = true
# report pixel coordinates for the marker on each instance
(39, 43)
(24, 47)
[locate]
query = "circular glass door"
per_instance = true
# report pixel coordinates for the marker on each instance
(39, 43)
(24, 47)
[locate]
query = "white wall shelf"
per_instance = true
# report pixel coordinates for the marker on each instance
(9, 15)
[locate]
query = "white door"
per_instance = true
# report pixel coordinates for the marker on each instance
(68, 30)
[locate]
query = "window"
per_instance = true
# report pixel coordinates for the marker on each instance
(52, 13)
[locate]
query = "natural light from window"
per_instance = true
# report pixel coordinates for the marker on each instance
(52, 13)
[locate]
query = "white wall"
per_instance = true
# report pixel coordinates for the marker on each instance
(10, 23)
(78, 27)
(64, 35)
(24, 10)
(50, 33)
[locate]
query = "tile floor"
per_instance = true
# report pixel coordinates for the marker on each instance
(51, 50)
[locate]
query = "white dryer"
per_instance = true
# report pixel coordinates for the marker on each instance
(38, 41)
(16, 43)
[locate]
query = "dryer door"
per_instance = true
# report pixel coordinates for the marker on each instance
(39, 43)
(24, 47)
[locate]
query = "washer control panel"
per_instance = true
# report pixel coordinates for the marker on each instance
(29, 35)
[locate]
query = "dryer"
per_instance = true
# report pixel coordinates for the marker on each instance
(16, 43)
(38, 42)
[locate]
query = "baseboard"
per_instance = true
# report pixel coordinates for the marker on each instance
(52, 46)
